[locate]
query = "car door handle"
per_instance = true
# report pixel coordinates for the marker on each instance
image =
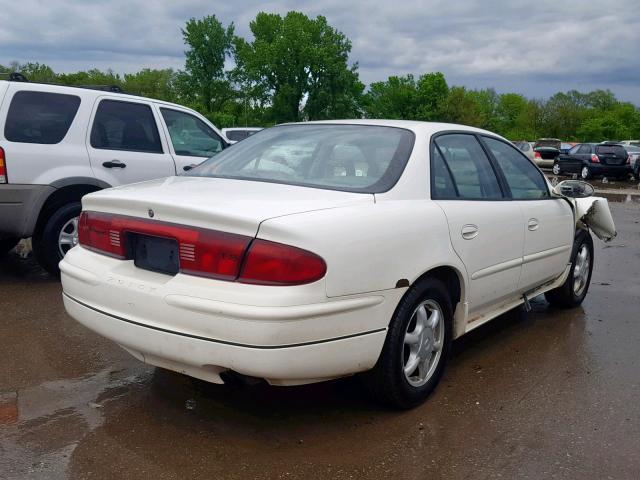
(114, 164)
(469, 231)
(533, 224)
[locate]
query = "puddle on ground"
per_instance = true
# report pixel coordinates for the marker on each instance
(60, 411)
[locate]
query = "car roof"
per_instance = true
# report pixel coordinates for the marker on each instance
(86, 90)
(418, 127)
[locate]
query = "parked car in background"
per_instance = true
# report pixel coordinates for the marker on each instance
(236, 134)
(546, 150)
(634, 159)
(566, 146)
(526, 148)
(368, 247)
(59, 143)
(635, 143)
(595, 159)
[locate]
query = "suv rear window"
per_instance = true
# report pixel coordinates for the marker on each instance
(617, 150)
(40, 117)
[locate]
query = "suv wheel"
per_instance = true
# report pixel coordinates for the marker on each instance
(585, 173)
(57, 236)
(556, 169)
(572, 292)
(416, 347)
(6, 244)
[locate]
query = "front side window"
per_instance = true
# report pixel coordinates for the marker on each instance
(354, 158)
(125, 126)
(525, 181)
(40, 117)
(472, 172)
(190, 136)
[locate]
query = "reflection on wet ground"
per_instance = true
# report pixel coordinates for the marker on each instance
(545, 394)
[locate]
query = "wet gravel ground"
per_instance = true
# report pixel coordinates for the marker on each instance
(539, 395)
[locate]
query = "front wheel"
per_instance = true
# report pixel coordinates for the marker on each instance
(57, 236)
(416, 348)
(556, 169)
(572, 292)
(585, 173)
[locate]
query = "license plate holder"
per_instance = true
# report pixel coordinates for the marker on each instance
(158, 254)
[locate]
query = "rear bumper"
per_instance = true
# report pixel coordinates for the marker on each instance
(600, 169)
(206, 358)
(202, 327)
(19, 208)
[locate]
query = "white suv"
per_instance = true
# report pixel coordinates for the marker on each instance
(59, 143)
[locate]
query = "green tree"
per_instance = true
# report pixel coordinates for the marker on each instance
(295, 57)
(395, 98)
(159, 84)
(204, 79)
(462, 107)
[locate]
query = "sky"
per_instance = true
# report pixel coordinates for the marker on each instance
(535, 48)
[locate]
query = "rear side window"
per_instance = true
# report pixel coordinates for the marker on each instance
(40, 117)
(584, 149)
(524, 179)
(125, 126)
(470, 168)
(237, 135)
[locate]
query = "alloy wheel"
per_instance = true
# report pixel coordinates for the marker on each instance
(581, 270)
(68, 237)
(423, 343)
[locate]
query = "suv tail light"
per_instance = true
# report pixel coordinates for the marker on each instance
(205, 253)
(594, 158)
(3, 167)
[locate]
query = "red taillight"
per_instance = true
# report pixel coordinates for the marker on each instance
(206, 253)
(594, 158)
(3, 167)
(97, 232)
(537, 155)
(270, 263)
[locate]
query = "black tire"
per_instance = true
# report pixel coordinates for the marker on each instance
(387, 382)
(7, 244)
(45, 240)
(565, 295)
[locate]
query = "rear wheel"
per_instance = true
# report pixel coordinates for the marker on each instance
(57, 236)
(556, 169)
(572, 292)
(585, 173)
(6, 244)
(416, 348)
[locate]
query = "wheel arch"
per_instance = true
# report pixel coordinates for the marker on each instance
(66, 191)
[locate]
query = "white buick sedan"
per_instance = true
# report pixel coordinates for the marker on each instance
(314, 251)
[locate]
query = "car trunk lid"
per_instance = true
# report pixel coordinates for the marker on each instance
(234, 206)
(611, 154)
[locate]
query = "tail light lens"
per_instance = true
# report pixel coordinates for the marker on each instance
(3, 167)
(594, 158)
(537, 155)
(628, 159)
(206, 253)
(270, 263)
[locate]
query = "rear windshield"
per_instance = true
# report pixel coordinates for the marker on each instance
(353, 158)
(524, 146)
(617, 150)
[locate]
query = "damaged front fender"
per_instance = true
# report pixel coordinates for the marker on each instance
(594, 213)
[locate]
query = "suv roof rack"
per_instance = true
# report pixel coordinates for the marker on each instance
(14, 76)
(105, 88)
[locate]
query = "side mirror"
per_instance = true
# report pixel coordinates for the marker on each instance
(574, 189)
